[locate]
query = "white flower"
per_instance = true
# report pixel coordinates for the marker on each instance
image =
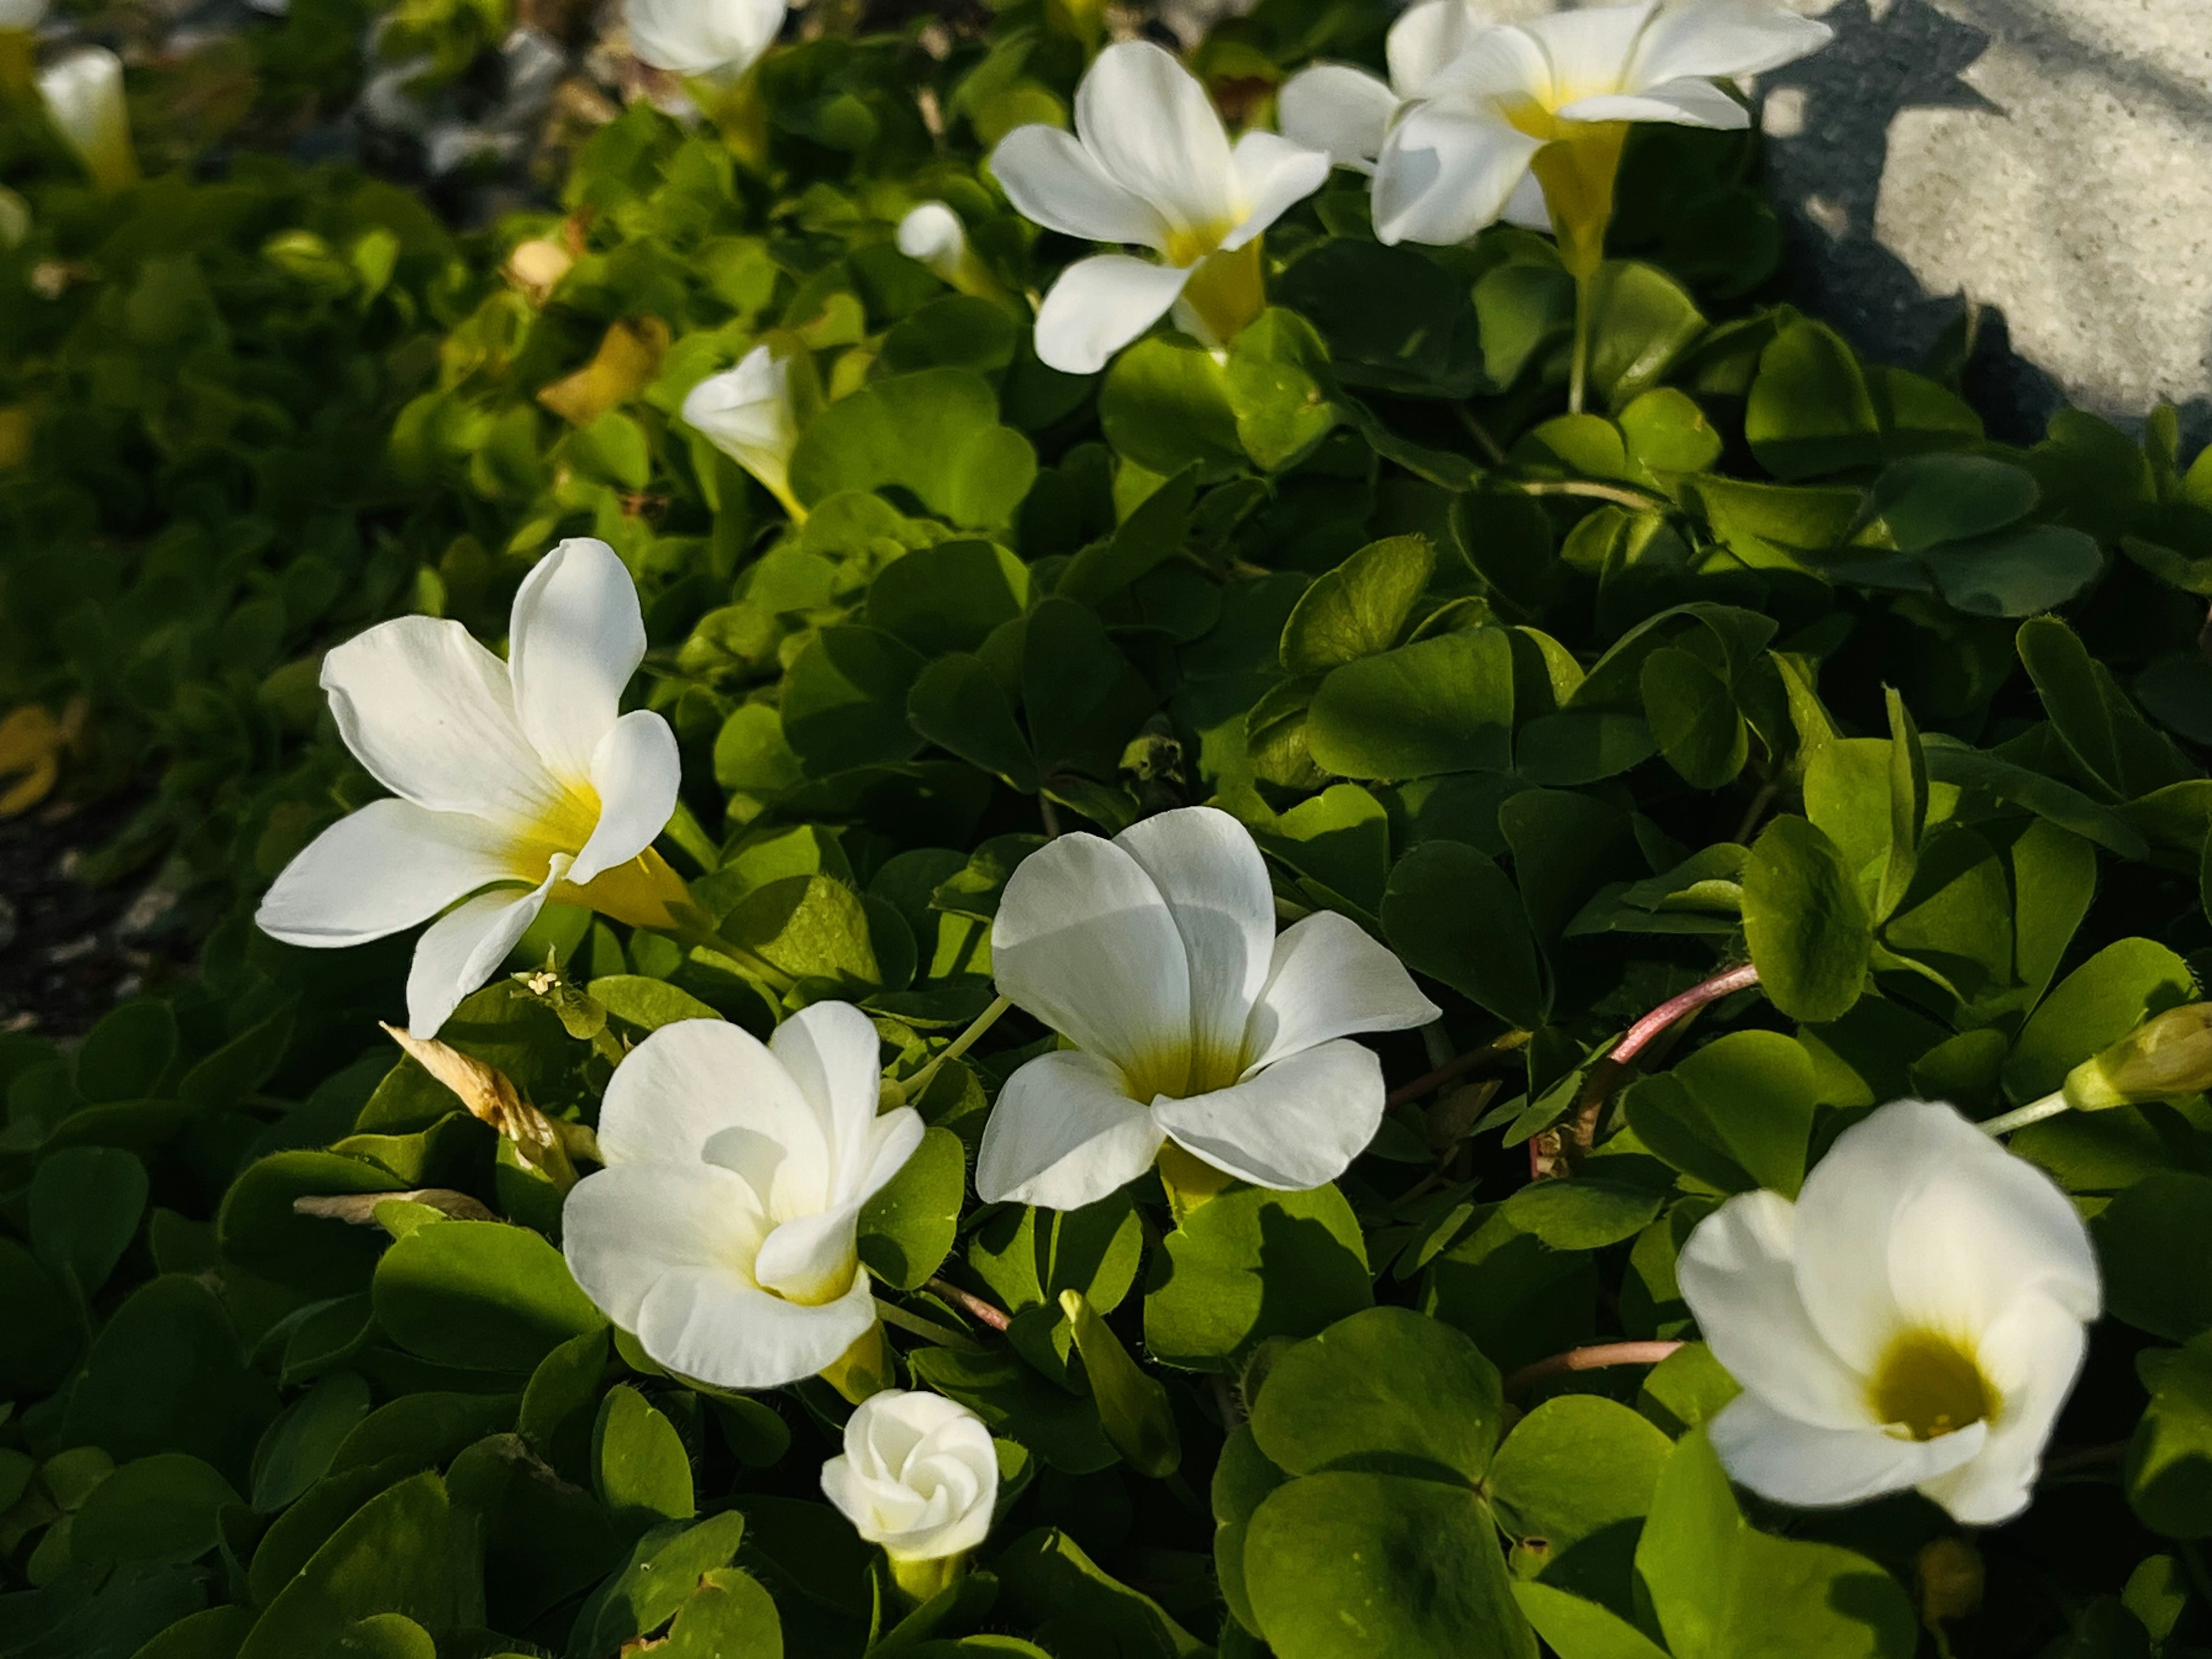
(932, 234)
(748, 413)
(919, 1475)
(521, 777)
(719, 38)
(1156, 954)
(1471, 105)
(1152, 164)
(22, 13)
(723, 1232)
(1189, 20)
(1915, 1318)
(83, 95)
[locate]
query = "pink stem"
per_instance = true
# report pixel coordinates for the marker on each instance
(974, 1306)
(1587, 1360)
(1646, 1029)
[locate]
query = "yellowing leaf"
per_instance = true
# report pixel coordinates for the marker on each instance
(625, 364)
(32, 742)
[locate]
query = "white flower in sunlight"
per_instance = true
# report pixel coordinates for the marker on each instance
(83, 95)
(1915, 1318)
(1150, 163)
(723, 1232)
(521, 777)
(919, 1475)
(932, 234)
(1471, 105)
(1156, 954)
(749, 413)
(717, 38)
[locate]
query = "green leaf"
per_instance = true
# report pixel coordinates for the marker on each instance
(1737, 1113)
(1154, 532)
(1395, 320)
(1808, 928)
(85, 1204)
(1928, 499)
(1281, 388)
(299, 1447)
(1722, 1590)
(1642, 320)
(2155, 1242)
(2116, 750)
(1384, 1389)
(162, 1508)
(402, 1551)
(1062, 1592)
(958, 704)
(935, 433)
(663, 1569)
(810, 927)
(1249, 1264)
(479, 1294)
(950, 596)
(639, 1467)
(125, 1055)
(2091, 1009)
(2168, 1474)
(1809, 412)
(1440, 705)
(1693, 716)
(1358, 609)
(1165, 406)
(1577, 1629)
(1017, 1402)
(729, 1616)
(845, 702)
(908, 1228)
(1574, 1466)
(2014, 573)
(647, 1004)
(1346, 1564)
(1452, 914)
(1582, 1212)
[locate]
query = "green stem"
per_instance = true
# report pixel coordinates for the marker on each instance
(1585, 309)
(924, 1581)
(915, 1325)
(2034, 1112)
(913, 1087)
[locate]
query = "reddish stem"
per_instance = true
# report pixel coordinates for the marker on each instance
(1457, 1066)
(1641, 1035)
(974, 1306)
(1593, 1358)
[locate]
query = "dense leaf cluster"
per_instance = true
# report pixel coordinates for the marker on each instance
(1771, 657)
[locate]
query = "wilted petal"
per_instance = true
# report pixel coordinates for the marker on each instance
(430, 713)
(379, 871)
(687, 1084)
(1291, 1126)
(1051, 180)
(1738, 1272)
(625, 1227)
(2032, 1355)
(1343, 111)
(1084, 941)
(1329, 978)
(1100, 305)
(1207, 867)
(575, 637)
(1680, 103)
(1150, 125)
(463, 949)
(1697, 38)
(1446, 171)
(700, 1324)
(1272, 176)
(1063, 1135)
(1794, 1463)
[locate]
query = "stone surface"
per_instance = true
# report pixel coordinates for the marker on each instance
(2051, 159)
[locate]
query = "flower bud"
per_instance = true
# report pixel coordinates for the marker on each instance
(932, 235)
(83, 95)
(2167, 1056)
(919, 1475)
(22, 13)
(751, 413)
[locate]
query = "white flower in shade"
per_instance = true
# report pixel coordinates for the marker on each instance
(1156, 955)
(1915, 1318)
(717, 38)
(723, 1232)
(522, 778)
(919, 1475)
(1470, 106)
(749, 413)
(22, 14)
(1150, 164)
(83, 95)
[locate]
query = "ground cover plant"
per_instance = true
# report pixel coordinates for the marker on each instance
(1398, 925)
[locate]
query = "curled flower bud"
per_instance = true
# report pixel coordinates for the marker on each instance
(2167, 1056)
(752, 415)
(83, 95)
(932, 235)
(919, 1476)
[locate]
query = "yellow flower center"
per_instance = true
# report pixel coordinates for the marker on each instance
(1930, 1385)
(564, 826)
(1183, 1071)
(1188, 243)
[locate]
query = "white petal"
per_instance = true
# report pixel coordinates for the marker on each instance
(382, 869)
(635, 773)
(1738, 1272)
(833, 1054)
(1053, 181)
(1063, 1135)
(1680, 103)
(1100, 305)
(812, 1259)
(689, 1082)
(1329, 978)
(1150, 125)
(575, 636)
(702, 1324)
(703, 37)
(626, 1228)
(1496, 65)
(1732, 38)
(463, 949)
(932, 234)
(1794, 1463)
(1208, 868)
(1084, 942)
(1915, 1217)
(1589, 51)
(1294, 1125)
(430, 713)
(1526, 207)
(1426, 39)
(892, 1139)
(1344, 111)
(2032, 1354)
(1272, 176)
(1446, 171)
(746, 413)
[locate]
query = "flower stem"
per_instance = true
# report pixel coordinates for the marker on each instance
(1596, 1358)
(1640, 1035)
(969, 1303)
(924, 1581)
(2034, 1112)
(1641, 500)
(913, 1087)
(1458, 1065)
(915, 1325)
